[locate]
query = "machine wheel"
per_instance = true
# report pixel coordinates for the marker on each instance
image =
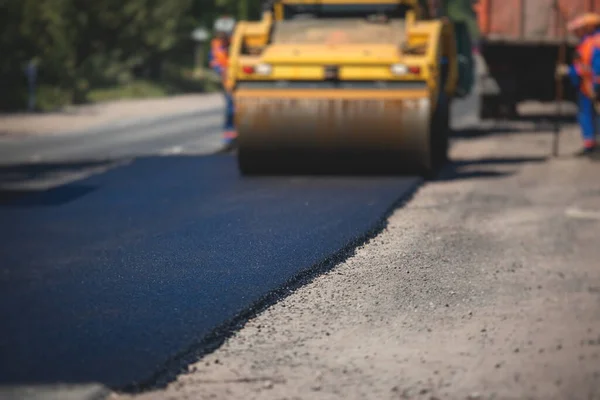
(441, 133)
(436, 155)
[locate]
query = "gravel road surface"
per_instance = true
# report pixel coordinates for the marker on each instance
(486, 285)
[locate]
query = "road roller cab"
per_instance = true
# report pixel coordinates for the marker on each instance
(366, 82)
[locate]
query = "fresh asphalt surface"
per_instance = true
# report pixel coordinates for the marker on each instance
(104, 279)
(106, 275)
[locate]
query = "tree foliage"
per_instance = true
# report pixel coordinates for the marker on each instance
(79, 44)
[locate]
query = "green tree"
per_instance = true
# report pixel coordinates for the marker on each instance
(15, 50)
(82, 44)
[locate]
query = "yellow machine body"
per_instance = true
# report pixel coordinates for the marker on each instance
(364, 79)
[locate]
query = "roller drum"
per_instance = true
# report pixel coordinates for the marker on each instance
(383, 132)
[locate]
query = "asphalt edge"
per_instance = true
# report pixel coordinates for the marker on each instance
(178, 364)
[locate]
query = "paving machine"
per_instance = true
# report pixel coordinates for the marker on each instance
(361, 85)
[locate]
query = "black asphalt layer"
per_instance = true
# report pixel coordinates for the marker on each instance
(106, 278)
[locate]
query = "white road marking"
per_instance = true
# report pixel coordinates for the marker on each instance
(575, 212)
(172, 150)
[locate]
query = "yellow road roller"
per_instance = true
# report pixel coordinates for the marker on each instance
(343, 86)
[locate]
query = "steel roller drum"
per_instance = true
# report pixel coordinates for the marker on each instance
(315, 130)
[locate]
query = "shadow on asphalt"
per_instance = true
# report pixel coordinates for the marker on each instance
(544, 124)
(27, 185)
(46, 184)
(472, 169)
(22, 172)
(40, 198)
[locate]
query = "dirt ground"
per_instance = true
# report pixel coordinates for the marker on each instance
(78, 118)
(485, 285)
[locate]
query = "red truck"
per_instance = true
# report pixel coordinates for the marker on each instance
(520, 42)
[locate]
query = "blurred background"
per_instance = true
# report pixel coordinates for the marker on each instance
(76, 51)
(82, 52)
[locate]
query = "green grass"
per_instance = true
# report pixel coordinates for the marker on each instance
(139, 89)
(172, 84)
(175, 81)
(50, 98)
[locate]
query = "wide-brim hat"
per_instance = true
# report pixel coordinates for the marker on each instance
(585, 21)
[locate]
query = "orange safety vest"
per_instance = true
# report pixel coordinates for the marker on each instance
(219, 58)
(583, 63)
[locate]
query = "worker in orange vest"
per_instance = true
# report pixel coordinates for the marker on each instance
(219, 62)
(584, 73)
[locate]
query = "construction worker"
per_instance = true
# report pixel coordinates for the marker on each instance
(219, 62)
(584, 73)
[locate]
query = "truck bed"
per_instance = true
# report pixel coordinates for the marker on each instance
(529, 21)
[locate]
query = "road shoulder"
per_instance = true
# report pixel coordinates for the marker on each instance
(106, 116)
(484, 286)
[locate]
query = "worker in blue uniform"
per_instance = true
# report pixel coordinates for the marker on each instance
(219, 62)
(584, 74)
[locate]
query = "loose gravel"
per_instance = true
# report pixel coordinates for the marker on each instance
(486, 285)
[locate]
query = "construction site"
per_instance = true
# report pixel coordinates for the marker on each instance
(385, 199)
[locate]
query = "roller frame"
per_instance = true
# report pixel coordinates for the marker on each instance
(354, 130)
